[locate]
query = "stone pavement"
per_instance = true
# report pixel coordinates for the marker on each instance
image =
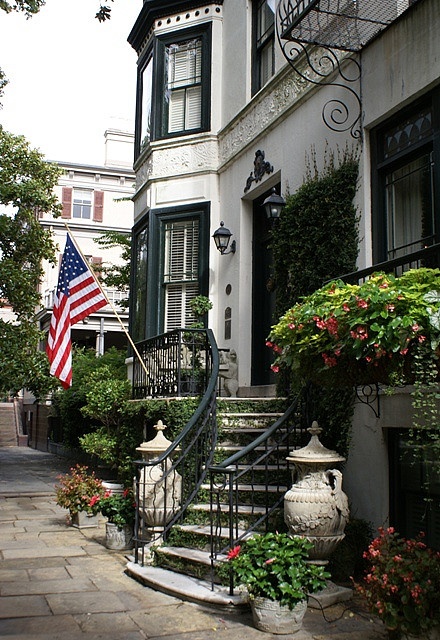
(61, 583)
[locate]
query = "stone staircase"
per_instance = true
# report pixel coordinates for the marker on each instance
(8, 431)
(183, 566)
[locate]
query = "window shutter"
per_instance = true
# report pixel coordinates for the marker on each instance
(193, 108)
(98, 205)
(181, 273)
(66, 202)
(176, 115)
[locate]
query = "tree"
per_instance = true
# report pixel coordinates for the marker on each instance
(117, 276)
(27, 184)
(31, 7)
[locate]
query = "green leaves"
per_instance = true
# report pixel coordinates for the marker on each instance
(27, 182)
(274, 565)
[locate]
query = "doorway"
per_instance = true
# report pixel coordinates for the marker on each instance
(263, 294)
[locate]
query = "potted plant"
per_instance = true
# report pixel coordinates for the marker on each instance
(119, 509)
(357, 334)
(81, 492)
(402, 585)
(277, 574)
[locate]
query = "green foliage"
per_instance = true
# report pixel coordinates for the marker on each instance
(100, 443)
(402, 583)
(119, 508)
(105, 397)
(79, 490)
(317, 235)
(200, 305)
(351, 333)
(274, 566)
(347, 562)
(67, 403)
(26, 189)
(116, 276)
(28, 7)
(315, 240)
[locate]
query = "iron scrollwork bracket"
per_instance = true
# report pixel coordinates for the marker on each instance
(321, 64)
(369, 394)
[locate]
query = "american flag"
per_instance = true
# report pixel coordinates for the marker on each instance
(78, 295)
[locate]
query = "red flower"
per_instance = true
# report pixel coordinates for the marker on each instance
(93, 500)
(233, 553)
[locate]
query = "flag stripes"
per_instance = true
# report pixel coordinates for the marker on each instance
(78, 295)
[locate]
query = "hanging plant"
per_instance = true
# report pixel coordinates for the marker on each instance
(347, 334)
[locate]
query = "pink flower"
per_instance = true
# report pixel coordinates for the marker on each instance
(275, 368)
(270, 561)
(346, 307)
(362, 304)
(329, 361)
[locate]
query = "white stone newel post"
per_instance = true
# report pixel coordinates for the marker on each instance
(160, 490)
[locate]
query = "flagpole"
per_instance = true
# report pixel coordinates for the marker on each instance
(108, 301)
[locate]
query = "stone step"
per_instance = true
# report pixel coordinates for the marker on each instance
(242, 509)
(205, 530)
(185, 587)
(253, 488)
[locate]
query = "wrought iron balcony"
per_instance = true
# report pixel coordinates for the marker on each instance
(427, 257)
(340, 24)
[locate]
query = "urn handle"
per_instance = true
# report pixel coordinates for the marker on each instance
(335, 481)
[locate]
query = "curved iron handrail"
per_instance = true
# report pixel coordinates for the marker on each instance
(179, 471)
(271, 446)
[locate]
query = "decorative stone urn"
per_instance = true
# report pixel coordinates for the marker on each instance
(271, 617)
(160, 487)
(316, 507)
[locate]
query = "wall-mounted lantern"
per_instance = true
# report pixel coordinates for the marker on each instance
(221, 238)
(273, 205)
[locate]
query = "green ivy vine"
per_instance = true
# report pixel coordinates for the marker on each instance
(315, 240)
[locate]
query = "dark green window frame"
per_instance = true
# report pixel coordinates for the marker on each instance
(154, 59)
(263, 44)
(154, 225)
(407, 144)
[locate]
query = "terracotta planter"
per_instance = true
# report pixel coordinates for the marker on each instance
(84, 520)
(118, 538)
(271, 617)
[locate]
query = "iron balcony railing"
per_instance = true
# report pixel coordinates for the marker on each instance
(427, 257)
(342, 24)
(247, 489)
(167, 484)
(177, 363)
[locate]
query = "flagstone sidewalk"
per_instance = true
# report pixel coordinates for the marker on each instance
(60, 583)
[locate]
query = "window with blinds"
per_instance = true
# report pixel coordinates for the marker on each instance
(183, 92)
(264, 42)
(181, 269)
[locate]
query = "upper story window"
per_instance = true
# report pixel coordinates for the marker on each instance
(82, 204)
(263, 43)
(146, 85)
(174, 86)
(404, 206)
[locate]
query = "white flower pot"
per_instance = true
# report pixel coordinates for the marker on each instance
(118, 538)
(270, 616)
(84, 520)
